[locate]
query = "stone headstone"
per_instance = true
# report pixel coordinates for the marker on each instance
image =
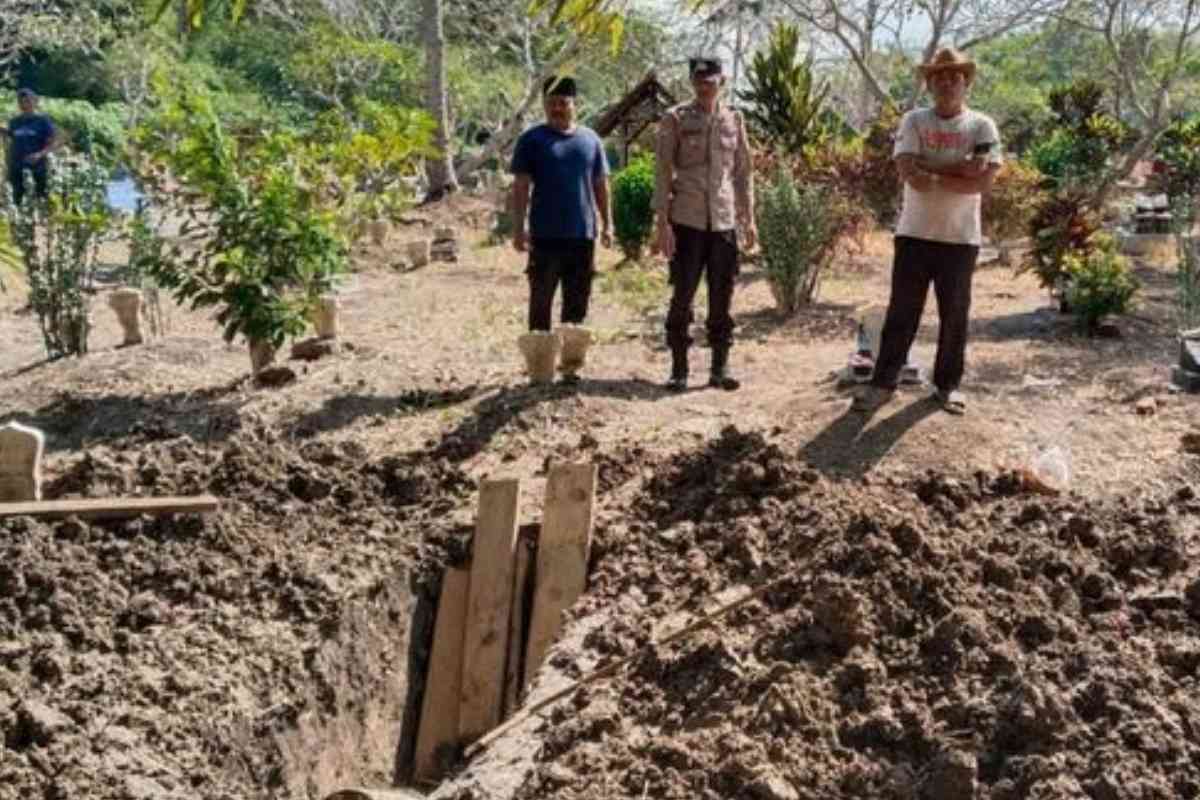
(418, 252)
(20, 463)
(1189, 354)
(128, 305)
(327, 316)
(1186, 379)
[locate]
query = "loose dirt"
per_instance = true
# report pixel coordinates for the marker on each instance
(938, 630)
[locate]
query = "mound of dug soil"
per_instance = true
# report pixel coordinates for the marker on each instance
(261, 651)
(924, 637)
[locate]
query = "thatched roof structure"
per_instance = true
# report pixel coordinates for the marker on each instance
(641, 106)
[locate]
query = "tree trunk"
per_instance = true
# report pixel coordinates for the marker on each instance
(440, 168)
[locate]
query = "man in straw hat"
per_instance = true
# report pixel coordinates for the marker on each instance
(947, 156)
(704, 199)
(565, 165)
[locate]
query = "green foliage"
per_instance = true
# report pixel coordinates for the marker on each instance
(800, 224)
(862, 169)
(1009, 207)
(633, 211)
(1177, 160)
(58, 239)
(265, 246)
(364, 153)
(1083, 135)
(98, 131)
(1062, 225)
(783, 104)
(1100, 282)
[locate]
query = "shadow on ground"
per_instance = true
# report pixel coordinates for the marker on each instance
(70, 422)
(847, 446)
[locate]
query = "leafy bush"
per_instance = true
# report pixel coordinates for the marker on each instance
(265, 247)
(1054, 155)
(98, 131)
(1177, 160)
(58, 240)
(800, 224)
(1009, 207)
(783, 104)
(1100, 282)
(633, 212)
(1062, 224)
(863, 169)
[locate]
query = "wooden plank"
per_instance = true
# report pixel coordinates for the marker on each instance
(112, 507)
(562, 558)
(513, 683)
(489, 608)
(443, 682)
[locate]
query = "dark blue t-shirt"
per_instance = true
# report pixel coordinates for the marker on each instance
(29, 133)
(562, 166)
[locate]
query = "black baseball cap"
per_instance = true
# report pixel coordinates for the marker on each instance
(560, 85)
(25, 91)
(704, 69)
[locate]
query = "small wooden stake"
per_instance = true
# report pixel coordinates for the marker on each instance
(562, 555)
(485, 646)
(439, 707)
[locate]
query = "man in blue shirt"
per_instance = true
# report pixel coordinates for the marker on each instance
(31, 137)
(565, 166)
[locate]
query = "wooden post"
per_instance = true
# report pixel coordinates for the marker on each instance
(439, 707)
(489, 609)
(562, 555)
(513, 675)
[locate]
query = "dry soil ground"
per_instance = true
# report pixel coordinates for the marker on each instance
(944, 629)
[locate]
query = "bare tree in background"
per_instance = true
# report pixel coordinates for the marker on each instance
(1150, 46)
(862, 29)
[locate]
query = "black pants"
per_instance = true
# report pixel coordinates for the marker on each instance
(950, 268)
(16, 177)
(712, 255)
(569, 261)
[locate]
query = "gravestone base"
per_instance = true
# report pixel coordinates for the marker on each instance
(1186, 380)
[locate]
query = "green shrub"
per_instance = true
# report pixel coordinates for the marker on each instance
(1177, 160)
(265, 244)
(1100, 282)
(1010, 205)
(1062, 224)
(799, 225)
(633, 212)
(58, 240)
(1054, 155)
(98, 131)
(784, 104)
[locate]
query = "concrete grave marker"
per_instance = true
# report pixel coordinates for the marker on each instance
(418, 252)
(128, 305)
(325, 319)
(20, 463)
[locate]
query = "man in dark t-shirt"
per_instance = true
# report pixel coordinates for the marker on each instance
(31, 137)
(565, 166)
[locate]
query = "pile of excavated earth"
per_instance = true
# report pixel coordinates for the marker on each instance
(909, 636)
(920, 637)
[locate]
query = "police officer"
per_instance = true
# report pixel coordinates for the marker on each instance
(704, 198)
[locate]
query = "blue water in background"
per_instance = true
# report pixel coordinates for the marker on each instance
(123, 194)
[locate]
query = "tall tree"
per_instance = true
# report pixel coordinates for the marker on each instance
(439, 169)
(1151, 48)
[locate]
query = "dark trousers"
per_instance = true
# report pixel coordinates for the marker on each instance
(16, 177)
(950, 268)
(712, 255)
(551, 261)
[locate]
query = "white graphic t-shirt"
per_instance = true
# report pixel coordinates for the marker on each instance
(939, 215)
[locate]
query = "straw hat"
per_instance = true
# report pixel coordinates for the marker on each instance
(948, 58)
